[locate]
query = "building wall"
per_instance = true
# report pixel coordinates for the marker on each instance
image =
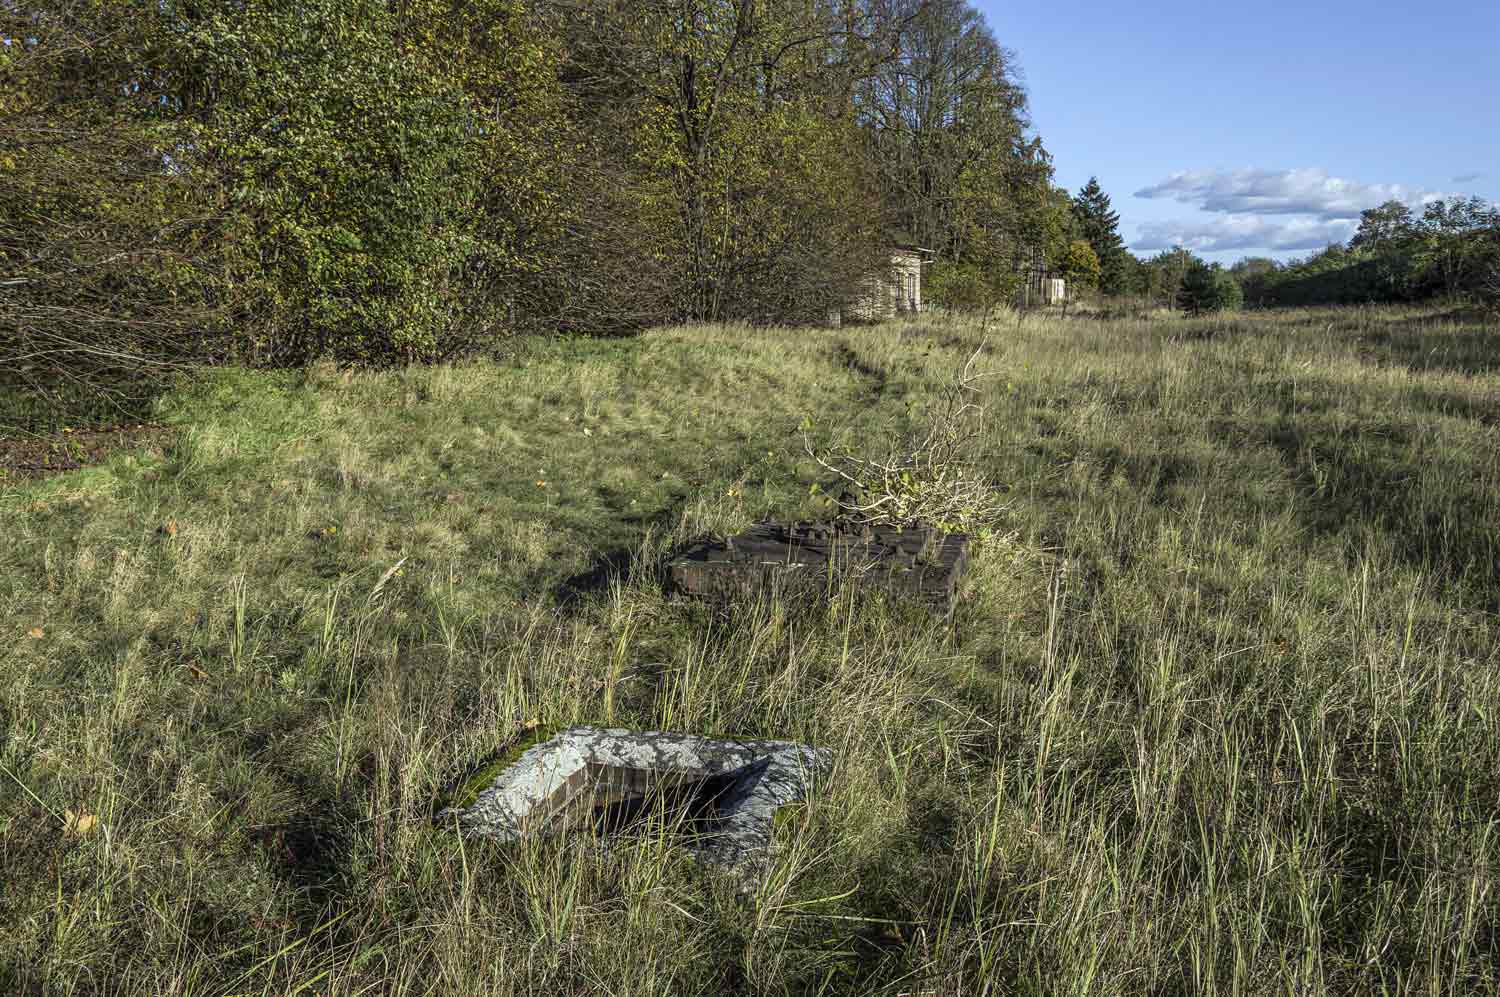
(895, 293)
(907, 277)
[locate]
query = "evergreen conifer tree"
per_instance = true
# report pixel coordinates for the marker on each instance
(1100, 226)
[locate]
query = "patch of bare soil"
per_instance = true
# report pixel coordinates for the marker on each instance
(41, 455)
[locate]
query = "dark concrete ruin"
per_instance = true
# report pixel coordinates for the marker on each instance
(919, 562)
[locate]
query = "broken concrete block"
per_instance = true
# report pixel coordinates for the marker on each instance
(721, 795)
(918, 562)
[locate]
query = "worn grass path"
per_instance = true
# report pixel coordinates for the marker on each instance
(1224, 717)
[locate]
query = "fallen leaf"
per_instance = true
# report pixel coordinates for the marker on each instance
(195, 671)
(36, 633)
(170, 528)
(80, 823)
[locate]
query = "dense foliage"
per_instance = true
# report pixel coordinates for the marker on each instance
(267, 181)
(1451, 250)
(108, 269)
(1207, 287)
(191, 180)
(1080, 265)
(380, 213)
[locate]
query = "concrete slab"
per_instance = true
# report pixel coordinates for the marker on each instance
(751, 780)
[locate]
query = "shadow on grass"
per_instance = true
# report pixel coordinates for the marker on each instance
(309, 853)
(844, 355)
(1458, 406)
(1212, 329)
(1417, 344)
(1354, 480)
(1158, 474)
(620, 564)
(29, 408)
(1380, 840)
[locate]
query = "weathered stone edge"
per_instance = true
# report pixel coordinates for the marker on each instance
(775, 773)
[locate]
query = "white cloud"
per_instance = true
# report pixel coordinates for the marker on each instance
(1281, 192)
(1243, 232)
(1279, 211)
(1468, 177)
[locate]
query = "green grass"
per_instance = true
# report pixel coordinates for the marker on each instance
(1223, 717)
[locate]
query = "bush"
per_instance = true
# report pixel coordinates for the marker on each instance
(263, 180)
(968, 286)
(107, 282)
(358, 158)
(1081, 265)
(1210, 288)
(1487, 284)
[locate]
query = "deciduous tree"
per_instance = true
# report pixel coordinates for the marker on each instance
(1391, 222)
(1449, 243)
(948, 131)
(382, 166)
(1080, 265)
(746, 169)
(1165, 274)
(1207, 287)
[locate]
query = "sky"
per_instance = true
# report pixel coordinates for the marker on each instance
(1261, 129)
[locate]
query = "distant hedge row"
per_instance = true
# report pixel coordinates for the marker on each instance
(1451, 249)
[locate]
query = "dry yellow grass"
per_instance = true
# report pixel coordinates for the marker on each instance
(1223, 717)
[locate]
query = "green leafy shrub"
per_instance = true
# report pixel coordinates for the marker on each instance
(271, 181)
(968, 286)
(1209, 288)
(1080, 265)
(358, 152)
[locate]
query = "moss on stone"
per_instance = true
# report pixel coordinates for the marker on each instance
(483, 777)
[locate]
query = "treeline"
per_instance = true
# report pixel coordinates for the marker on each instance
(1451, 250)
(378, 181)
(1096, 258)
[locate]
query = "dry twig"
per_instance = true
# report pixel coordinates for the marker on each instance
(928, 476)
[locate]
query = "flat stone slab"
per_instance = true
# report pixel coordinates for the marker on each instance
(917, 562)
(738, 787)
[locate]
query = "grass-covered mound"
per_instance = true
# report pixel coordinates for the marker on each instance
(1222, 715)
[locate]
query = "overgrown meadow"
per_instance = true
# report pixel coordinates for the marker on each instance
(1220, 712)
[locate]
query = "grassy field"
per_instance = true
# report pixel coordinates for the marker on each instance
(1222, 715)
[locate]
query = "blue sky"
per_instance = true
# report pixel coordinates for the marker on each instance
(1261, 129)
